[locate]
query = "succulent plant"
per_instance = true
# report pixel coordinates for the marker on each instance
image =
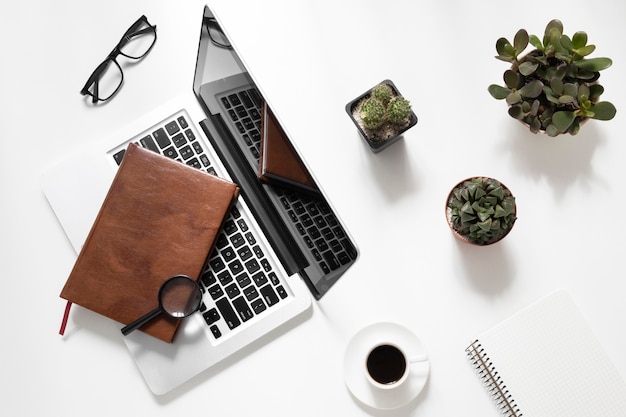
(384, 106)
(481, 210)
(554, 87)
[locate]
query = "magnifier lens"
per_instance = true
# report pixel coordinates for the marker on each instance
(180, 297)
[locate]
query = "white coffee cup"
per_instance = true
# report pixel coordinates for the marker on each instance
(387, 365)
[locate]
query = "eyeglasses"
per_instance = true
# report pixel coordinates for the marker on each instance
(217, 36)
(108, 77)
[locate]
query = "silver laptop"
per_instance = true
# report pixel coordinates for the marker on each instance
(279, 248)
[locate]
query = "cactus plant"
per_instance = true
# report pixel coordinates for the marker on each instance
(398, 110)
(372, 113)
(553, 88)
(381, 115)
(481, 210)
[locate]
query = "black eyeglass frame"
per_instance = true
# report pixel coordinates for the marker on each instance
(211, 24)
(132, 32)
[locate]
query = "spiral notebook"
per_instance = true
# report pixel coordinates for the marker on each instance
(546, 362)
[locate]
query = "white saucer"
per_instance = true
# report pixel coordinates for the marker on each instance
(354, 366)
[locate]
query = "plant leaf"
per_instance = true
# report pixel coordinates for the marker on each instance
(513, 98)
(532, 89)
(595, 91)
(594, 64)
(552, 131)
(520, 42)
(566, 42)
(579, 40)
(528, 67)
(498, 92)
(562, 120)
(585, 50)
(536, 42)
(504, 48)
(557, 86)
(516, 112)
(485, 225)
(511, 79)
(603, 110)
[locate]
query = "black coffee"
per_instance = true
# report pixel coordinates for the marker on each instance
(386, 364)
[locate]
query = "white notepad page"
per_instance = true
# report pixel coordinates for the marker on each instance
(551, 363)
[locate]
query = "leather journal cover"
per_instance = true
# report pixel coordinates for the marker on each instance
(279, 163)
(160, 218)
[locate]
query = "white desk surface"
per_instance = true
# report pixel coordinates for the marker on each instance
(310, 59)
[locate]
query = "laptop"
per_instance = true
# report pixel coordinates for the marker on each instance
(279, 249)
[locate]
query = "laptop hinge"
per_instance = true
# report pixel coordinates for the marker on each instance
(282, 242)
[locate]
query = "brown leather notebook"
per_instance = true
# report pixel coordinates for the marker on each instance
(279, 163)
(160, 218)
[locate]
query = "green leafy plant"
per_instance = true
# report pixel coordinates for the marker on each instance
(481, 210)
(383, 109)
(554, 87)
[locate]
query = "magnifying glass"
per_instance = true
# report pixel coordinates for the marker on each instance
(179, 297)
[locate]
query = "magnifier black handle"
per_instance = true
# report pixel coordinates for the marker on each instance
(140, 321)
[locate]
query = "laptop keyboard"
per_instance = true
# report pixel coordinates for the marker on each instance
(239, 281)
(317, 230)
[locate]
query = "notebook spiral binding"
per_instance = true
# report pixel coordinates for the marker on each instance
(493, 382)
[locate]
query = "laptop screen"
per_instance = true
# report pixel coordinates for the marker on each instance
(302, 228)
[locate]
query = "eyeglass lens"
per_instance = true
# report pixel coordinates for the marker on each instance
(138, 40)
(216, 34)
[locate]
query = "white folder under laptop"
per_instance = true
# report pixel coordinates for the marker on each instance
(75, 189)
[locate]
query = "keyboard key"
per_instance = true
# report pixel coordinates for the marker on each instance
(148, 143)
(217, 264)
(259, 279)
(190, 135)
(186, 152)
(211, 316)
(170, 152)
(229, 315)
(234, 99)
(250, 292)
(281, 292)
(243, 280)
(172, 128)
(225, 277)
(237, 240)
(331, 260)
(241, 306)
(252, 266)
(256, 98)
(269, 295)
(216, 292)
(258, 306)
(179, 140)
(235, 267)
(119, 156)
(161, 138)
(183, 122)
(232, 290)
(245, 99)
(216, 331)
(208, 278)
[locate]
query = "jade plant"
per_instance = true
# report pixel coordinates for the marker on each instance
(481, 210)
(554, 87)
(383, 110)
